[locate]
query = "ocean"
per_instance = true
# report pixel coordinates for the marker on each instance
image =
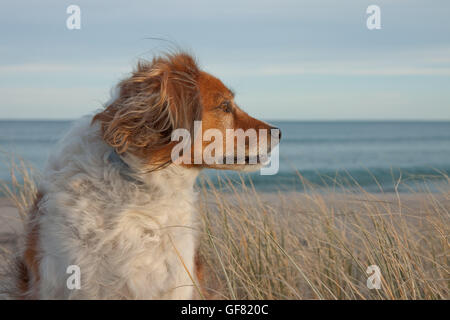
(365, 153)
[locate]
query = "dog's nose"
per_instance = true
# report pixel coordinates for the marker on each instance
(274, 134)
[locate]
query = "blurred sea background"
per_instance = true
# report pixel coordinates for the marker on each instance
(326, 153)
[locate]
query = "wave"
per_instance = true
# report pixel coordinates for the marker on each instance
(372, 179)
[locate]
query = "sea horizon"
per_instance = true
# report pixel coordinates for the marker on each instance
(368, 153)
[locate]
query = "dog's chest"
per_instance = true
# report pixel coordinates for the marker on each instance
(157, 245)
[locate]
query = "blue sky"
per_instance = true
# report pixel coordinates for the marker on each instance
(294, 60)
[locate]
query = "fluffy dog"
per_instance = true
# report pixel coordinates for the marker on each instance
(113, 203)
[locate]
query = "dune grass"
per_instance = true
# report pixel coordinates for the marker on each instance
(21, 190)
(316, 244)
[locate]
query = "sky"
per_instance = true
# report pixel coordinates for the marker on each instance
(286, 60)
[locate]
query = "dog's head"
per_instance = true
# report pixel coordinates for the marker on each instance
(171, 93)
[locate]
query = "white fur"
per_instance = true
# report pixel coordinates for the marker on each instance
(120, 228)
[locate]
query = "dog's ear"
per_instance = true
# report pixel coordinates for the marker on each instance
(160, 96)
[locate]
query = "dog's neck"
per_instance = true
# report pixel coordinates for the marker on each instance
(169, 179)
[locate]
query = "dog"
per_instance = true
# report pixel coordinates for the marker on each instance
(113, 208)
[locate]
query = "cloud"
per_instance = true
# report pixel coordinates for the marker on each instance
(61, 68)
(350, 70)
(411, 62)
(325, 68)
(50, 103)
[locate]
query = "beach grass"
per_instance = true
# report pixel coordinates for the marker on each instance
(319, 243)
(314, 244)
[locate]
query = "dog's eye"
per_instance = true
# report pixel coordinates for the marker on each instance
(226, 107)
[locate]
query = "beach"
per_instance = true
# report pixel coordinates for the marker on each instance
(341, 202)
(311, 245)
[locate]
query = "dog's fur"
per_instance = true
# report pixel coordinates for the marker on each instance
(112, 202)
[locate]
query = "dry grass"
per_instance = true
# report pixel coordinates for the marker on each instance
(318, 244)
(22, 188)
(313, 245)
